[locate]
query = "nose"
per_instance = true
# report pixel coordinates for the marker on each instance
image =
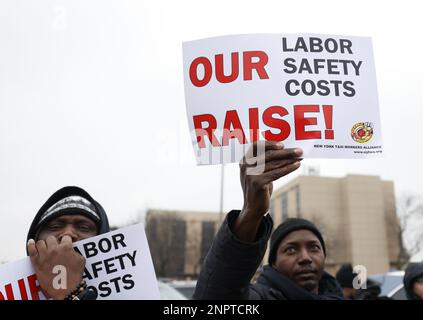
(70, 231)
(304, 257)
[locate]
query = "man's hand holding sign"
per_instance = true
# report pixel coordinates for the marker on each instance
(113, 265)
(264, 163)
(73, 255)
(46, 256)
(281, 97)
(316, 92)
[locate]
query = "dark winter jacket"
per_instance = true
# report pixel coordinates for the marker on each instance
(230, 264)
(272, 285)
(413, 272)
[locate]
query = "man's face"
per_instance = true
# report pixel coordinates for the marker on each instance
(300, 257)
(418, 288)
(78, 227)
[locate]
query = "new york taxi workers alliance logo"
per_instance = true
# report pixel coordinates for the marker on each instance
(362, 132)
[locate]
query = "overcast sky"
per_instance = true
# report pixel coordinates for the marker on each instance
(91, 94)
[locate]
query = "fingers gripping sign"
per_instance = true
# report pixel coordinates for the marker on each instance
(263, 163)
(52, 259)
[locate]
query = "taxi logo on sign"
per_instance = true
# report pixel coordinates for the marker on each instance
(362, 132)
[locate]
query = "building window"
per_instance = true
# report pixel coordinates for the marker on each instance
(284, 206)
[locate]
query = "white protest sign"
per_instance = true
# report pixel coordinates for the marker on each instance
(118, 266)
(317, 92)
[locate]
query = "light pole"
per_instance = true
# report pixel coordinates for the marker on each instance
(222, 184)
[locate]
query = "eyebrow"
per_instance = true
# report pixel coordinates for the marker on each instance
(78, 220)
(296, 243)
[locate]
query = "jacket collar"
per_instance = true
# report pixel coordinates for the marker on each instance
(328, 286)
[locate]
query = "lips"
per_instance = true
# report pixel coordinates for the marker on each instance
(306, 273)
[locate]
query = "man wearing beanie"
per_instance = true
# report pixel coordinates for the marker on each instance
(69, 215)
(295, 269)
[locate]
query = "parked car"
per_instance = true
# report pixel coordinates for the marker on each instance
(398, 293)
(167, 292)
(391, 284)
(186, 287)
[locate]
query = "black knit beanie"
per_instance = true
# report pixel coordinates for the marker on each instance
(288, 226)
(67, 201)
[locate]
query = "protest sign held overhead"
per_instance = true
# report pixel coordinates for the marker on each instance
(316, 92)
(118, 266)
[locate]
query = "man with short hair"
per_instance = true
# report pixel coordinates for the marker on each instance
(297, 249)
(69, 215)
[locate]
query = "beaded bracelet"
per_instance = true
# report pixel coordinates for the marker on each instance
(74, 295)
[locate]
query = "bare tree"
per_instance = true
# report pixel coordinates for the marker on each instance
(193, 252)
(410, 215)
(166, 241)
(332, 244)
(178, 245)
